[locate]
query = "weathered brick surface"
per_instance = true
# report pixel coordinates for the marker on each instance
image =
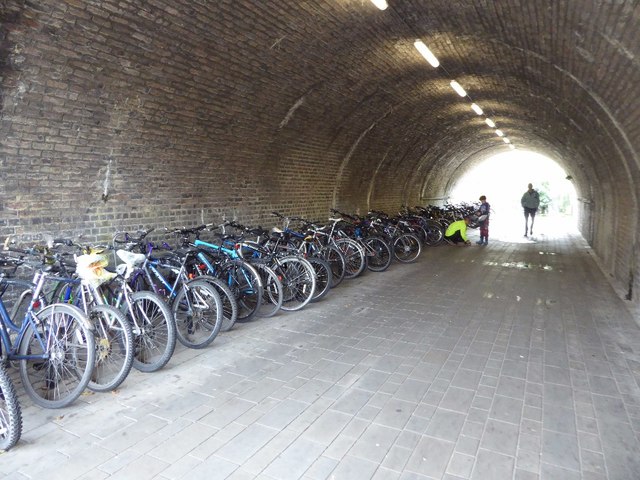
(187, 110)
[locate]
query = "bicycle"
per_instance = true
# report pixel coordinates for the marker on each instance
(54, 345)
(195, 304)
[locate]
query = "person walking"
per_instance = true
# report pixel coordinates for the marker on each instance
(483, 220)
(530, 202)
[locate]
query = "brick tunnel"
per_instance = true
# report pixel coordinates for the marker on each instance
(120, 114)
(117, 114)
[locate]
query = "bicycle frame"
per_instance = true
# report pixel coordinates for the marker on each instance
(30, 320)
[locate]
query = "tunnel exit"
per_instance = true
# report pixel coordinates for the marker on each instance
(504, 179)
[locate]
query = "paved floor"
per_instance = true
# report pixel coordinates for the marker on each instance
(511, 361)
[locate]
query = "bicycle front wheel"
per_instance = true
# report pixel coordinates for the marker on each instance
(272, 292)
(323, 277)
(244, 281)
(197, 310)
(154, 332)
(229, 303)
(66, 343)
(10, 413)
(334, 256)
(406, 248)
(114, 348)
(298, 281)
(355, 259)
(378, 254)
(435, 234)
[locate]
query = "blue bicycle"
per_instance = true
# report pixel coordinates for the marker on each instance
(54, 345)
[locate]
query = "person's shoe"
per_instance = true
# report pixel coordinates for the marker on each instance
(486, 242)
(525, 234)
(479, 242)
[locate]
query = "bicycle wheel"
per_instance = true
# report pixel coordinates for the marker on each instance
(154, 332)
(378, 254)
(272, 291)
(435, 233)
(64, 337)
(229, 303)
(355, 259)
(10, 413)
(114, 348)
(244, 281)
(334, 256)
(322, 270)
(406, 248)
(197, 310)
(298, 281)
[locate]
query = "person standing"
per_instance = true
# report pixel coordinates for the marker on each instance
(530, 202)
(483, 220)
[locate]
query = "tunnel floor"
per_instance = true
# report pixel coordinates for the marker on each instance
(511, 361)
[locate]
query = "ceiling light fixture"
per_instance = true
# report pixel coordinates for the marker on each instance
(499, 133)
(426, 53)
(381, 4)
(489, 122)
(506, 140)
(512, 147)
(458, 88)
(476, 109)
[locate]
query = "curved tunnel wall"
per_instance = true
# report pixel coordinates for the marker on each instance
(119, 114)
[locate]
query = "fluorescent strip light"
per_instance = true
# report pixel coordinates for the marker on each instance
(489, 122)
(512, 147)
(499, 133)
(381, 4)
(458, 88)
(476, 109)
(506, 140)
(426, 53)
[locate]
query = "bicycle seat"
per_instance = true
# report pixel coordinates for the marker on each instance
(130, 258)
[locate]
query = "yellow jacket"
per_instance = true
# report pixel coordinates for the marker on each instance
(459, 225)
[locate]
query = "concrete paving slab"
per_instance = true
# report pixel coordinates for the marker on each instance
(516, 360)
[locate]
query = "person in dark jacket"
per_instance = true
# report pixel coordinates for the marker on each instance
(530, 202)
(483, 220)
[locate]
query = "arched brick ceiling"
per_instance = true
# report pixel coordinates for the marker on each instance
(306, 104)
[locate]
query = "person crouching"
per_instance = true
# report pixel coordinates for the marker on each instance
(456, 233)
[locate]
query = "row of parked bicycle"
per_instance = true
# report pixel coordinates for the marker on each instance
(72, 322)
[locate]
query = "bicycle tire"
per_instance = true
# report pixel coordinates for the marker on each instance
(355, 259)
(197, 310)
(10, 413)
(323, 273)
(406, 248)
(114, 348)
(334, 256)
(435, 233)
(272, 291)
(298, 281)
(379, 254)
(57, 381)
(155, 340)
(229, 303)
(246, 285)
